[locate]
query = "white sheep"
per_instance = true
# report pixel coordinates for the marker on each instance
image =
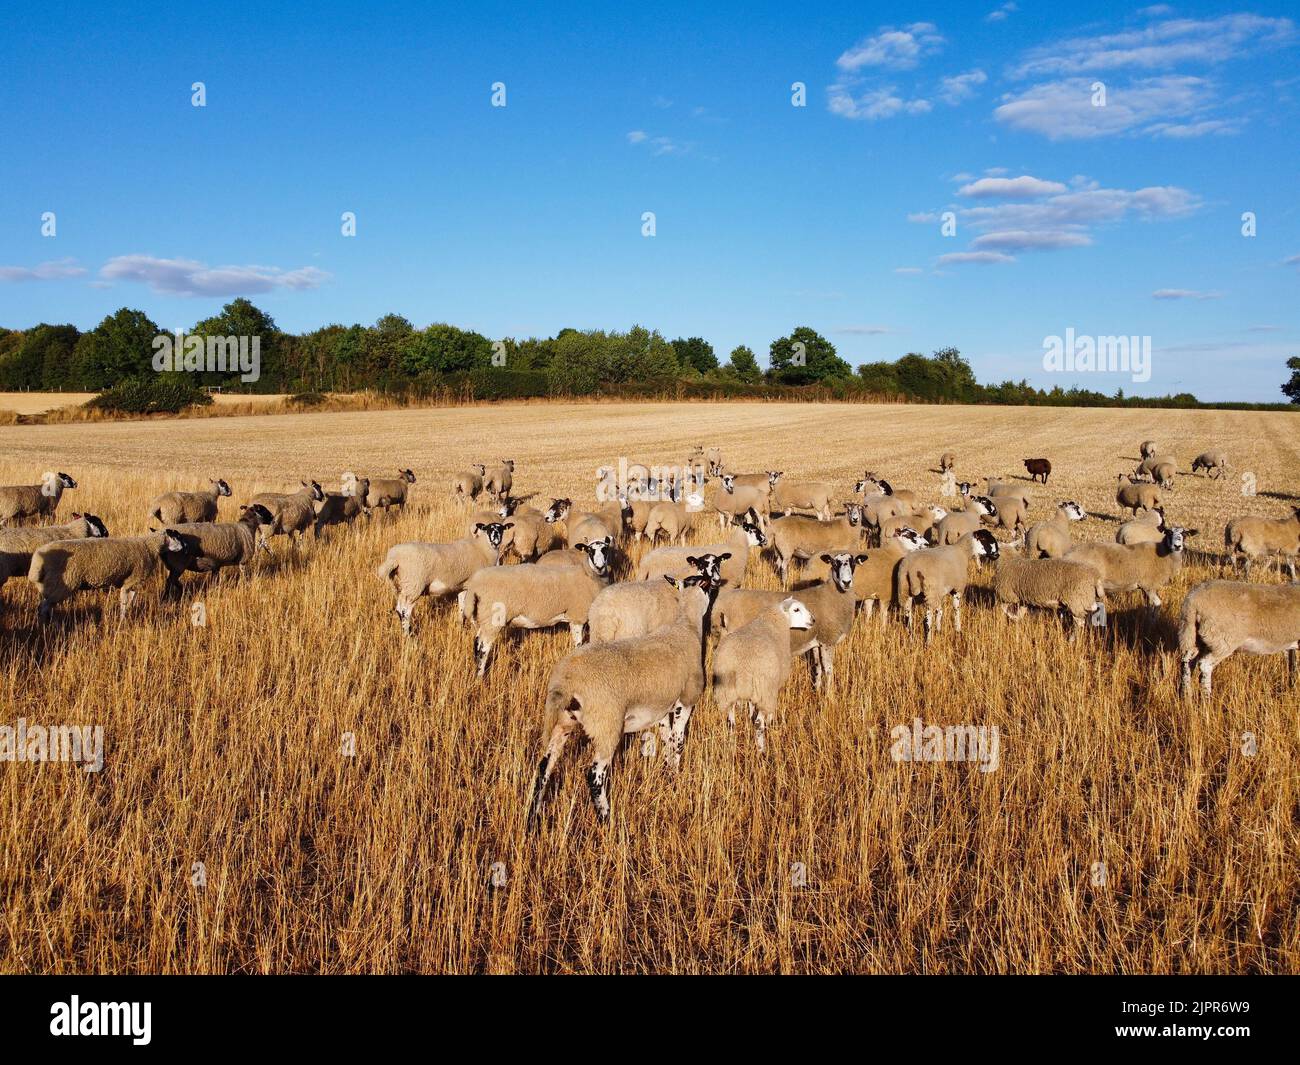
(498, 482)
(733, 553)
(1140, 567)
(1134, 496)
(21, 501)
(1147, 529)
(292, 513)
(738, 501)
(801, 495)
(1051, 539)
(939, 572)
(1071, 588)
(216, 545)
(1251, 538)
(801, 537)
(1147, 448)
(961, 523)
(17, 545)
(1214, 462)
(172, 508)
(62, 568)
(637, 608)
(873, 484)
(343, 508)
(467, 484)
(388, 492)
(925, 519)
(418, 569)
(1220, 617)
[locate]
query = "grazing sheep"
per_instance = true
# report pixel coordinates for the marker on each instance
(963, 522)
(62, 568)
(416, 569)
(292, 513)
(18, 545)
(753, 662)
(21, 501)
(878, 508)
(802, 537)
(1147, 449)
(739, 501)
(497, 482)
(1220, 617)
(342, 508)
(871, 484)
(1037, 468)
(215, 545)
(947, 461)
(637, 608)
(1012, 514)
(388, 492)
(1072, 588)
(1051, 539)
(921, 522)
(605, 690)
(529, 535)
(674, 520)
(932, 574)
(173, 508)
(801, 495)
(733, 553)
(1135, 497)
(1247, 539)
(532, 597)
(1142, 567)
(1214, 462)
(1147, 529)
(1008, 490)
(469, 483)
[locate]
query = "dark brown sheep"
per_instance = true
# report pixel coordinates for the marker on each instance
(1038, 468)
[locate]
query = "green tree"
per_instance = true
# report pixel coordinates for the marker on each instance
(241, 318)
(696, 352)
(120, 347)
(45, 351)
(744, 364)
(805, 357)
(446, 349)
(1292, 388)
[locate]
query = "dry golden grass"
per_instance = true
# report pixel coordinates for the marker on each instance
(40, 402)
(223, 742)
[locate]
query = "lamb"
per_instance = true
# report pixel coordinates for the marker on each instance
(637, 608)
(1147, 449)
(1214, 462)
(18, 545)
(342, 508)
(947, 461)
(498, 482)
(803, 495)
(1037, 468)
(963, 522)
(921, 522)
(21, 501)
(1073, 588)
(1142, 567)
(172, 508)
(742, 500)
(1148, 529)
(215, 545)
(1051, 539)
(468, 484)
(1135, 497)
(802, 537)
(291, 512)
(64, 567)
(832, 602)
(752, 663)
(941, 571)
(1220, 617)
(532, 597)
(388, 492)
(416, 569)
(733, 553)
(1247, 539)
(608, 689)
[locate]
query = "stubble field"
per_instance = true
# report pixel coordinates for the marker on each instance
(229, 830)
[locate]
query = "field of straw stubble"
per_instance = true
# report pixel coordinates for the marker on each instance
(229, 832)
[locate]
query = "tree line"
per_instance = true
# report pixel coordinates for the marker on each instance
(393, 356)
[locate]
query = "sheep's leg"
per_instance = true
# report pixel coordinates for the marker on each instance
(648, 743)
(405, 606)
(598, 785)
(680, 719)
(867, 607)
(1292, 665)
(1207, 665)
(1015, 615)
(1290, 565)
(760, 727)
(124, 600)
(554, 748)
(828, 664)
(907, 612)
(1185, 678)
(956, 611)
(782, 567)
(44, 611)
(576, 630)
(483, 642)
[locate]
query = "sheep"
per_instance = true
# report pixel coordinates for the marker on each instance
(18, 545)
(497, 482)
(1072, 588)
(832, 603)
(1147, 449)
(532, 597)
(921, 522)
(291, 512)
(529, 534)
(739, 501)
(1051, 539)
(1141, 567)
(388, 492)
(64, 567)
(941, 571)
(1220, 617)
(215, 545)
(674, 520)
(1160, 468)
(733, 553)
(875, 577)
(803, 495)
(574, 556)
(878, 508)
(417, 569)
(467, 484)
(1008, 490)
(879, 486)
(172, 508)
(1214, 462)
(583, 527)
(713, 456)
(342, 508)
(637, 608)
(802, 537)
(1135, 497)
(1247, 539)
(608, 689)
(20, 501)
(963, 522)
(1037, 468)
(947, 461)
(753, 662)
(1147, 529)
(762, 482)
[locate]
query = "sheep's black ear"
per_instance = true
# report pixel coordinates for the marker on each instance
(859, 559)
(670, 580)
(724, 556)
(692, 560)
(479, 526)
(1190, 532)
(826, 558)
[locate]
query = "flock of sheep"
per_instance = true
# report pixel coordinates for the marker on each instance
(640, 662)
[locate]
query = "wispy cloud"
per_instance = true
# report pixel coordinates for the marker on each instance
(1024, 187)
(907, 270)
(1172, 105)
(1010, 240)
(657, 145)
(986, 258)
(1184, 294)
(998, 14)
(893, 48)
(187, 277)
(51, 270)
(958, 87)
(873, 104)
(864, 330)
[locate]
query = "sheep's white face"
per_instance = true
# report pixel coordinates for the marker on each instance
(729, 483)
(223, 489)
(910, 539)
(984, 506)
(754, 534)
(842, 564)
(853, 511)
(598, 553)
(709, 565)
(1175, 537)
(1073, 511)
(797, 614)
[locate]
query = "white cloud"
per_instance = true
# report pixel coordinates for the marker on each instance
(864, 330)
(1031, 240)
(907, 270)
(657, 145)
(50, 270)
(636, 136)
(1293, 261)
(1184, 294)
(873, 104)
(958, 87)
(1064, 110)
(1024, 187)
(893, 49)
(188, 277)
(955, 258)
(998, 14)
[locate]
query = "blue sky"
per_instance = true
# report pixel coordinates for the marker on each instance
(1122, 219)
